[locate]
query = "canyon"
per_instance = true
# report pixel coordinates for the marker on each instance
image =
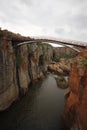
(20, 66)
(23, 65)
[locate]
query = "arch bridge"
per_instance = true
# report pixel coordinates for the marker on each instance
(71, 44)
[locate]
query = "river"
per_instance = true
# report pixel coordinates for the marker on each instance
(40, 109)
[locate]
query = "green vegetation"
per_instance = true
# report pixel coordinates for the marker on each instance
(84, 62)
(56, 59)
(43, 44)
(63, 55)
(66, 56)
(61, 82)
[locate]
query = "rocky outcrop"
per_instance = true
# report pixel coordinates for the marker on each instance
(54, 67)
(8, 82)
(39, 56)
(62, 67)
(75, 113)
(63, 50)
(19, 66)
(22, 64)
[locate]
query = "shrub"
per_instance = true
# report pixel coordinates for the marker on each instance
(66, 56)
(84, 62)
(61, 82)
(56, 59)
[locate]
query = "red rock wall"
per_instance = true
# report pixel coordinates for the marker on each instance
(75, 113)
(19, 66)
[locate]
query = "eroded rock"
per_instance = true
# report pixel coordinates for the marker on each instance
(75, 113)
(8, 82)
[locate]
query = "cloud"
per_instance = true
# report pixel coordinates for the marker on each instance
(27, 2)
(58, 18)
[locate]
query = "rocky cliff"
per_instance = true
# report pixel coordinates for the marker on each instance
(20, 65)
(75, 113)
(58, 51)
(8, 81)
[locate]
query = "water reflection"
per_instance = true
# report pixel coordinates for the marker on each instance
(40, 109)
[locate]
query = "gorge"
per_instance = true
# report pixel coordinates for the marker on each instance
(24, 65)
(38, 109)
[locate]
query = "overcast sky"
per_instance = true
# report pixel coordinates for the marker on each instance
(58, 18)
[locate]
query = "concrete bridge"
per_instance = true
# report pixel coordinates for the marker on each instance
(70, 44)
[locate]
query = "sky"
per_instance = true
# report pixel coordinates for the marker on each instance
(65, 19)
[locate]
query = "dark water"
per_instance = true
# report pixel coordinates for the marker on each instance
(40, 109)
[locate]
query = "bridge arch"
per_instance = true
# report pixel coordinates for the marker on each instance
(51, 41)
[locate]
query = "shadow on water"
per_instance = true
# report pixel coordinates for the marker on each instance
(40, 109)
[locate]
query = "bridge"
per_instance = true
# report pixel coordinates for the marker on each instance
(68, 43)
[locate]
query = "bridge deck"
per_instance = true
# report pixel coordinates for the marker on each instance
(60, 41)
(55, 41)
